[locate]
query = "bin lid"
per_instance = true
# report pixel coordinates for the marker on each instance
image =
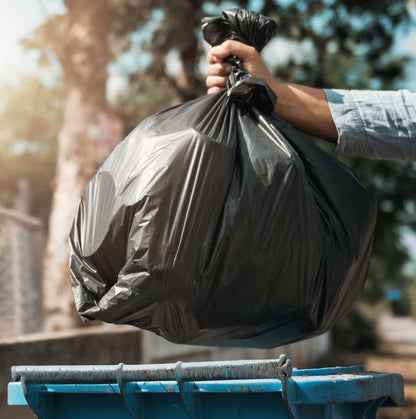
(337, 385)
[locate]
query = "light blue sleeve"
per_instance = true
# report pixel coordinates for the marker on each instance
(375, 124)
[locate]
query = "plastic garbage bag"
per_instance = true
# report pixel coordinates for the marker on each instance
(215, 222)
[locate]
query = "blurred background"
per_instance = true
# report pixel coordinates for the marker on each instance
(76, 77)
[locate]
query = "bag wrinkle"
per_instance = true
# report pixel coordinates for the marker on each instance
(214, 222)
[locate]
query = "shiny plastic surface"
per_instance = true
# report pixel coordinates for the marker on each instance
(135, 391)
(215, 222)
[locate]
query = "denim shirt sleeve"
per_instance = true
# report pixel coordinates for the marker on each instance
(375, 124)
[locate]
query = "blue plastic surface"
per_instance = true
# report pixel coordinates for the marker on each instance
(347, 392)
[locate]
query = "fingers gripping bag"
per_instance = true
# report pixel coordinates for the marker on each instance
(215, 222)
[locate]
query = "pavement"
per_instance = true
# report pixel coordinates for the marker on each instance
(399, 334)
(397, 354)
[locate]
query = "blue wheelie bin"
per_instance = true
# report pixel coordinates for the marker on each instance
(260, 389)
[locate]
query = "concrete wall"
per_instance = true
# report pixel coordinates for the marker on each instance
(302, 354)
(110, 345)
(86, 346)
(21, 243)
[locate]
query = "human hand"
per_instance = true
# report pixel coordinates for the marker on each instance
(305, 108)
(218, 70)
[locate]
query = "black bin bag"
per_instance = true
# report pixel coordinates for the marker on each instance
(215, 222)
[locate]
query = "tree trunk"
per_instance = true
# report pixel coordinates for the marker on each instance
(84, 54)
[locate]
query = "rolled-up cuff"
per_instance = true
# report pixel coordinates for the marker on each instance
(347, 119)
(375, 124)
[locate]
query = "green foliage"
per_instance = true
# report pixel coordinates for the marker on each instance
(392, 183)
(338, 33)
(412, 295)
(357, 331)
(143, 96)
(335, 43)
(29, 121)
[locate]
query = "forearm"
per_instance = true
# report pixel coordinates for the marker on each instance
(365, 123)
(305, 108)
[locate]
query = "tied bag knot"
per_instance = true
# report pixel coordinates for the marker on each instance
(252, 29)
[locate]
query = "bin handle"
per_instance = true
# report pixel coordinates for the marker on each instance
(190, 371)
(134, 406)
(183, 374)
(187, 397)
